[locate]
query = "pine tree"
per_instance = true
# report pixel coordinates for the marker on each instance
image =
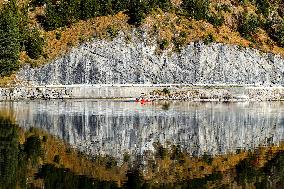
(9, 38)
(71, 11)
(23, 26)
(119, 5)
(106, 7)
(89, 9)
(34, 44)
(53, 16)
(137, 12)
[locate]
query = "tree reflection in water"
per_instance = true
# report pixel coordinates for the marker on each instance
(17, 159)
(12, 157)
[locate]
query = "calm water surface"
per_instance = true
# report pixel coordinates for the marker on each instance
(115, 127)
(191, 144)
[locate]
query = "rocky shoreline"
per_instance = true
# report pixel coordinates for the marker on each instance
(21, 93)
(152, 92)
(215, 94)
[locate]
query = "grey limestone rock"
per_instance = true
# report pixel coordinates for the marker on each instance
(122, 62)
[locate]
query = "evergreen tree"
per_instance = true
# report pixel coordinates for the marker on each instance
(106, 7)
(119, 5)
(61, 13)
(70, 11)
(197, 9)
(23, 26)
(34, 44)
(165, 5)
(53, 16)
(9, 38)
(248, 24)
(137, 12)
(89, 9)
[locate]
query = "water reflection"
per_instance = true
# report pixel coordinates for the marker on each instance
(9, 151)
(116, 128)
(16, 157)
(24, 163)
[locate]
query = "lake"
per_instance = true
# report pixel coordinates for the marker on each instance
(113, 128)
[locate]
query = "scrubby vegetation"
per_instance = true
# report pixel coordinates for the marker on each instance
(39, 30)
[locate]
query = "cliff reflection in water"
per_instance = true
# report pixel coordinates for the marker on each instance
(113, 128)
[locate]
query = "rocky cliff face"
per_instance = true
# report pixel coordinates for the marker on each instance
(120, 61)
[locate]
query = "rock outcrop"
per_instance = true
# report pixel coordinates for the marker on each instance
(136, 62)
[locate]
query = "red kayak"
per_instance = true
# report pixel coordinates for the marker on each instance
(142, 100)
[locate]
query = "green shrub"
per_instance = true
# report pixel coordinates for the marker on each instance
(166, 106)
(89, 9)
(162, 152)
(216, 20)
(112, 32)
(245, 170)
(165, 5)
(164, 44)
(34, 45)
(137, 12)
(177, 154)
(65, 12)
(263, 7)
(197, 9)
(110, 162)
(223, 7)
(180, 41)
(126, 157)
(44, 139)
(52, 19)
(245, 2)
(209, 39)
(61, 13)
(38, 2)
(58, 35)
(276, 32)
(248, 24)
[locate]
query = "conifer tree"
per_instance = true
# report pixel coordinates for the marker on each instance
(53, 16)
(89, 9)
(70, 11)
(23, 26)
(34, 44)
(9, 38)
(137, 11)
